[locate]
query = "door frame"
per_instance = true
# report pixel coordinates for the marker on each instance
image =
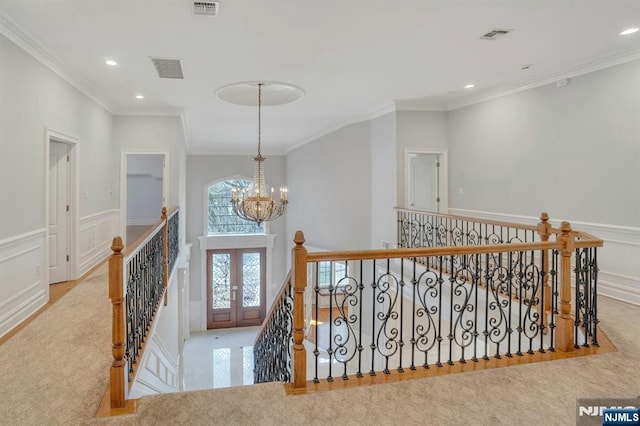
(74, 199)
(236, 276)
(211, 242)
(123, 186)
(444, 175)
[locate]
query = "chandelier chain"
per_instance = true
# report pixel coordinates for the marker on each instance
(259, 118)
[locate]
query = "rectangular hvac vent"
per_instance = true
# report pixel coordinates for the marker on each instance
(495, 34)
(168, 68)
(206, 8)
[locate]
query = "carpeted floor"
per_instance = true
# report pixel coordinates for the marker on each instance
(55, 372)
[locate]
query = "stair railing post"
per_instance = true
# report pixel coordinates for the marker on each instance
(165, 253)
(565, 321)
(544, 231)
(299, 275)
(118, 372)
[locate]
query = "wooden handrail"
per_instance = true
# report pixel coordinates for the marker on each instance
(429, 251)
(118, 387)
(471, 219)
(583, 239)
(132, 248)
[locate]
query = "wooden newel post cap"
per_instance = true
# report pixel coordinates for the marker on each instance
(544, 217)
(164, 212)
(117, 245)
(565, 227)
(299, 238)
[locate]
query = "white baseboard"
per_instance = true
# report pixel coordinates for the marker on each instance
(619, 276)
(24, 288)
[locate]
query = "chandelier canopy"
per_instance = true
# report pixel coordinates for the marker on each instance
(255, 203)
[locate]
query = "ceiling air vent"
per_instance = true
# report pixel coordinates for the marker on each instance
(168, 68)
(206, 8)
(494, 34)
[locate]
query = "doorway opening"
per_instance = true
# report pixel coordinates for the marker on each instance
(426, 180)
(144, 192)
(236, 287)
(61, 201)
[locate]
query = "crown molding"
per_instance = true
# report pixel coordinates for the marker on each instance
(245, 153)
(30, 44)
(167, 111)
(375, 113)
(549, 78)
(429, 106)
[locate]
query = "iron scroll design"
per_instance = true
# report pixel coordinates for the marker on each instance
(144, 288)
(272, 349)
(173, 236)
(586, 306)
(394, 314)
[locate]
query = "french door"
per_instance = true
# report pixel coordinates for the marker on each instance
(235, 287)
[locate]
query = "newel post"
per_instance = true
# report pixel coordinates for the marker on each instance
(299, 275)
(165, 253)
(544, 231)
(118, 372)
(565, 321)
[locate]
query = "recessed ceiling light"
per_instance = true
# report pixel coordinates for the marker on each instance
(139, 96)
(469, 86)
(111, 62)
(630, 31)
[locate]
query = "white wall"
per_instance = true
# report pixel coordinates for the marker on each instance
(205, 169)
(382, 138)
(572, 151)
(417, 130)
(153, 134)
(330, 189)
(33, 98)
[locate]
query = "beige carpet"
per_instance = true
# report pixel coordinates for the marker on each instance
(55, 372)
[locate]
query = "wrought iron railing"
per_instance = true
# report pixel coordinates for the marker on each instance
(137, 283)
(427, 229)
(173, 238)
(273, 345)
(144, 283)
(495, 290)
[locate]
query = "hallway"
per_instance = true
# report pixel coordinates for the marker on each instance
(55, 371)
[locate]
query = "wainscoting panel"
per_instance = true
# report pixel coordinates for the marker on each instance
(95, 237)
(23, 288)
(619, 276)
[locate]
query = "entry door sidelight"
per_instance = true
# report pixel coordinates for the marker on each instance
(235, 287)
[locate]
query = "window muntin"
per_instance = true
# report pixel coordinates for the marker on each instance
(332, 273)
(220, 216)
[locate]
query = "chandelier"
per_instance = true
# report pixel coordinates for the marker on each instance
(255, 203)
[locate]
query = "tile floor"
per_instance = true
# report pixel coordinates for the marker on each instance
(219, 358)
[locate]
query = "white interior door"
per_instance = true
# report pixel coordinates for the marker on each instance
(58, 212)
(424, 182)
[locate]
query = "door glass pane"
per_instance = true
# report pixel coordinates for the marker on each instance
(250, 280)
(220, 280)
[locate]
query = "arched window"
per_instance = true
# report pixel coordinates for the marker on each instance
(221, 219)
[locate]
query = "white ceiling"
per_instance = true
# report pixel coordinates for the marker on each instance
(353, 58)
